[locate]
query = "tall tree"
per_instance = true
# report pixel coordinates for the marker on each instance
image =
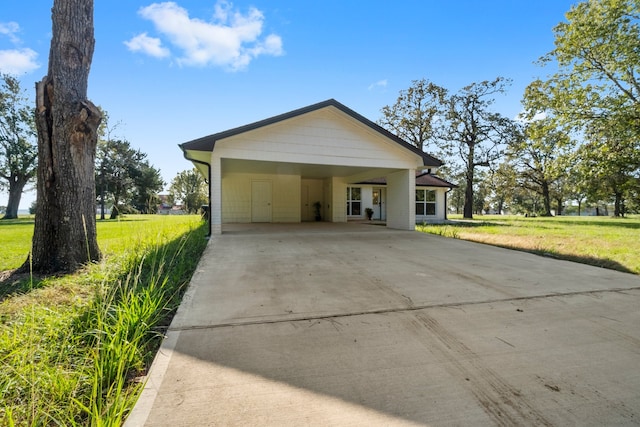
(472, 133)
(598, 58)
(116, 169)
(18, 151)
(147, 185)
(413, 115)
(541, 159)
(501, 181)
(67, 122)
(611, 163)
(597, 82)
(190, 188)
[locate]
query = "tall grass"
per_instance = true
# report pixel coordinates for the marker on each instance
(76, 352)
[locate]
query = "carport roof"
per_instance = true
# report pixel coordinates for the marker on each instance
(207, 143)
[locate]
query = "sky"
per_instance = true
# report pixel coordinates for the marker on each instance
(170, 72)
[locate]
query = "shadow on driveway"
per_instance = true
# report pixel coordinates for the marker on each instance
(351, 324)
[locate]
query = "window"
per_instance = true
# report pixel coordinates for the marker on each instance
(354, 203)
(425, 202)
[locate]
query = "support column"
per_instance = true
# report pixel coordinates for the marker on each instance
(215, 186)
(401, 203)
(339, 200)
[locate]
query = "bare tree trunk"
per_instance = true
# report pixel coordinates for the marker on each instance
(16, 185)
(65, 225)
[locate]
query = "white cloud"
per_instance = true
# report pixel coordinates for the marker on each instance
(379, 83)
(10, 29)
(150, 45)
(230, 40)
(16, 61)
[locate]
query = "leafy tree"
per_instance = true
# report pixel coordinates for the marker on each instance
(598, 57)
(413, 116)
(125, 177)
(596, 89)
(67, 122)
(18, 151)
(190, 188)
(502, 181)
(147, 185)
(541, 159)
(472, 133)
(610, 163)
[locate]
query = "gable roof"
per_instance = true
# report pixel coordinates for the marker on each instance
(208, 143)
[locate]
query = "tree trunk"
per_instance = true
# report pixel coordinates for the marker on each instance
(16, 185)
(546, 199)
(558, 207)
(467, 210)
(65, 225)
(617, 210)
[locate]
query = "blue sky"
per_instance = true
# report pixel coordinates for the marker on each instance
(169, 72)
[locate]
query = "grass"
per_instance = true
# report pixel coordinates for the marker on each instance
(73, 349)
(601, 241)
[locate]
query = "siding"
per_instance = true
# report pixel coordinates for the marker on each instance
(236, 197)
(323, 137)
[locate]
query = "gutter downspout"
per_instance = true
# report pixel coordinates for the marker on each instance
(208, 165)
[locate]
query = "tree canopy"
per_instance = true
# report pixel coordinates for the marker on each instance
(595, 92)
(18, 149)
(415, 112)
(190, 188)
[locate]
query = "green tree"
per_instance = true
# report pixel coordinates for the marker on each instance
(64, 235)
(148, 183)
(413, 115)
(125, 177)
(18, 150)
(540, 160)
(596, 86)
(190, 188)
(473, 134)
(502, 181)
(610, 163)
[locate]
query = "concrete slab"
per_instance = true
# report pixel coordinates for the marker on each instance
(343, 324)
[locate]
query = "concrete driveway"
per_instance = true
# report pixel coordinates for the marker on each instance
(355, 324)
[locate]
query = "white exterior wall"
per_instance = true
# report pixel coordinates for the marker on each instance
(338, 200)
(323, 137)
(401, 198)
(236, 197)
(326, 137)
(367, 201)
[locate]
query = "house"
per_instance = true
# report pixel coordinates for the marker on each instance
(276, 169)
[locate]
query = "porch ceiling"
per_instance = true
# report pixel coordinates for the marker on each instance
(306, 171)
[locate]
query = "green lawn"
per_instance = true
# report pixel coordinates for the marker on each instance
(72, 346)
(113, 235)
(602, 241)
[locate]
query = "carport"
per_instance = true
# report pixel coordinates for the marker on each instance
(274, 170)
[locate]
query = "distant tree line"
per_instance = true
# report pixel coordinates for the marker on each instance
(577, 142)
(125, 181)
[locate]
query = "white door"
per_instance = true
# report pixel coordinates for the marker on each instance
(261, 201)
(378, 201)
(306, 210)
